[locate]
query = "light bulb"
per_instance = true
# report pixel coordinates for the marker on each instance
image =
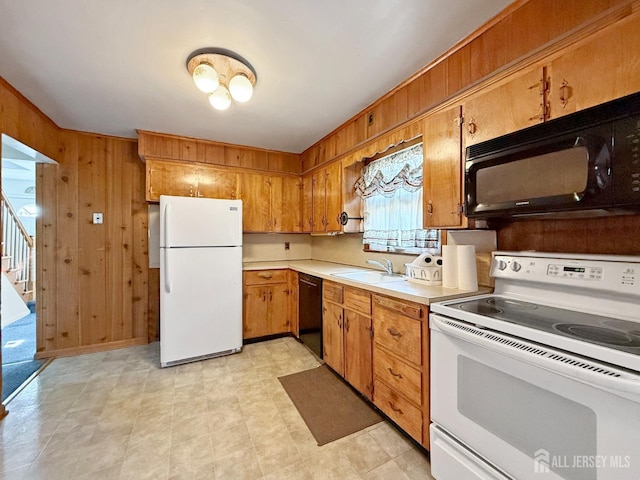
(205, 77)
(241, 88)
(220, 99)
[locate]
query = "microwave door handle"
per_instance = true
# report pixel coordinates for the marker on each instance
(582, 374)
(599, 162)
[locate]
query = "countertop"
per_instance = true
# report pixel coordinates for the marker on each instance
(423, 294)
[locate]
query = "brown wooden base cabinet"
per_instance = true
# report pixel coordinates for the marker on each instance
(401, 364)
(266, 306)
(346, 331)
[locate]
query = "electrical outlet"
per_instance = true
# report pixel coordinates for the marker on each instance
(287, 246)
(97, 218)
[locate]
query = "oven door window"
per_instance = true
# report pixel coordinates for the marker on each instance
(529, 418)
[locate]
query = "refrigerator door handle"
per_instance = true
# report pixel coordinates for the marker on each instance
(167, 282)
(166, 225)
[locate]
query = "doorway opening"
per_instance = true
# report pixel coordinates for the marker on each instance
(18, 307)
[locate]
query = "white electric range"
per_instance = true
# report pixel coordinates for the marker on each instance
(540, 379)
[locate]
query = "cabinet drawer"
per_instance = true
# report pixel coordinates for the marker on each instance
(399, 375)
(404, 413)
(357, 300)
(263, 277)
(332, 292)
(399, 334)
(408, 309)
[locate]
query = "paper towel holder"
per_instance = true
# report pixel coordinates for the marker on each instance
(344, 218)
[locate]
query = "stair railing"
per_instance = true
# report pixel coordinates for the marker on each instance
(17, 245)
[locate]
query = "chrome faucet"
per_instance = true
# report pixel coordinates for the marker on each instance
(388, 267)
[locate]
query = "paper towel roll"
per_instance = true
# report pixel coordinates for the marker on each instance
(467, 271)
(449, 266)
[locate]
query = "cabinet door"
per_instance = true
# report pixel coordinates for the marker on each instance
(255, 315)
(332, 342)
(307, 203)
(216, 183)
(357, 352)
(319, 201)
(442, 169)
(294, 296)
(602, 68)
(170, 178)
(515, 103)
(278, 314)
(286, 195)
(333, 197)
(255, 192)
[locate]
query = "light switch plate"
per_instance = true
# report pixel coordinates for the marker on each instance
(97, 218)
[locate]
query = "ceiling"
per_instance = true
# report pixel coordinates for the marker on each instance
(115, 66)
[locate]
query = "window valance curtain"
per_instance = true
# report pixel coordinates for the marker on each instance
(391, 188)
(388, 174)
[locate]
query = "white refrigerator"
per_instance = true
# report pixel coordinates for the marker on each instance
(200, 278)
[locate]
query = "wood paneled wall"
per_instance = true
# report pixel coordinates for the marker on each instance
(173, 147)
(519, 30)
(606, 235)
(92, 280)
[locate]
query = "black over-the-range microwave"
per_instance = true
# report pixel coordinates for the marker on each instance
(583, 164)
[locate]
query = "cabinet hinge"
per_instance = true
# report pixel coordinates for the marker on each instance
(460, 208)
(371, 332)
(459, 121)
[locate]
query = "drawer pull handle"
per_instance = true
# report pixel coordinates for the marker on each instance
(397, 410)
(394, 333)
(399, 375)
(265, 275)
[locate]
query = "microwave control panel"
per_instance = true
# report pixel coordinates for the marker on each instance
(627, 160)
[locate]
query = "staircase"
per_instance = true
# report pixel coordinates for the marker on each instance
(18, 253)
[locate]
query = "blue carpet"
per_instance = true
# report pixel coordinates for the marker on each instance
(19, 340)
(18, 349)
(15, 374)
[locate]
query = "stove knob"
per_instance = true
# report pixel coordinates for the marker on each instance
(515, 266)
(501, 264)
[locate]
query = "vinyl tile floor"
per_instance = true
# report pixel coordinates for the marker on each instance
(118, 415)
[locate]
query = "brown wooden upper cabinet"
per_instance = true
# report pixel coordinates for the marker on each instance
(188, 180)
(515, 103)
(443, 171)
(597, 69)
(255, 193)
(322, 199)
(307, 203)
(286, 204)
(579, 76)
(270, 203)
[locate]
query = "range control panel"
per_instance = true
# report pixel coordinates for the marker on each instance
(598, 272)
(572, 271)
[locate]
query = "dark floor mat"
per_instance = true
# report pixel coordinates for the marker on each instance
(329, 407)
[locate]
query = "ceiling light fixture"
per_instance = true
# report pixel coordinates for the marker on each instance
(223, 75)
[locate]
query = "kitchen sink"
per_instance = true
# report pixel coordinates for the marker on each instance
(371, 277)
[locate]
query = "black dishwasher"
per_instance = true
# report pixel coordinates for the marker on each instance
(310, 312)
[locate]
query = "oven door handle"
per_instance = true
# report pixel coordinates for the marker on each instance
(577, 368)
